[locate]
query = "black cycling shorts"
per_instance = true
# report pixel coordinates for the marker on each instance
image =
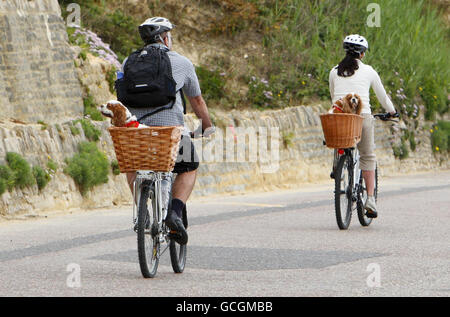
(187, 159)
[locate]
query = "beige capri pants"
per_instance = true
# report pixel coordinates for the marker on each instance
(366, 146)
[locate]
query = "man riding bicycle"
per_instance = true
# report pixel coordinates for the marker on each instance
(353, 76)
(155, 32)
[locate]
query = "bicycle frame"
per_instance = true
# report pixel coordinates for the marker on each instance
(156, 178)
(353, 153)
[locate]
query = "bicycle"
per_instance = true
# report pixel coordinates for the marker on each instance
(151, 152)
(350, 191)
(153, 189)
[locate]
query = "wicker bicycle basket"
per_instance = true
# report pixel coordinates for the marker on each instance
(152, 148)
(341, 130)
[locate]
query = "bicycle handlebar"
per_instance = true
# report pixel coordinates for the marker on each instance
(386, 116)
(200, 133)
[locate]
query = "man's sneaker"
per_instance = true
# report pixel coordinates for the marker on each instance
(371, 207)
(177, 230)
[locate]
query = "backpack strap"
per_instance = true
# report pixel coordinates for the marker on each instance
(183, 100)
(166, 107)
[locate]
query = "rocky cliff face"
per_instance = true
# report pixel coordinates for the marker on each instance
(37, 73)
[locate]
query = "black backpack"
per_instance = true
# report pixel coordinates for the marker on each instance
(147, 80)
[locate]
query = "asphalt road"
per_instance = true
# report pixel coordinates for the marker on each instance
(268, 244)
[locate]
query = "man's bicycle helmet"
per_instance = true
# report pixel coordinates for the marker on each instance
(151, 29)
(355, 43)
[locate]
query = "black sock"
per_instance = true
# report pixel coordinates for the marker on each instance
(177, 206)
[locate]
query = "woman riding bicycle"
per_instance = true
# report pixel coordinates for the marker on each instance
(353, 76)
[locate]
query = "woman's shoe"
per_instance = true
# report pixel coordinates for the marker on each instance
(371, 207)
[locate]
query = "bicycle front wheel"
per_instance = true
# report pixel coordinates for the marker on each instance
(147, 233)
(343, 192)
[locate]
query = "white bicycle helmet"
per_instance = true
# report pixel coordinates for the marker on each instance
(151, 29)
(355, 43)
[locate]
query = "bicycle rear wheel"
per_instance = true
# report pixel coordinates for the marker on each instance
(362, 197)
(178, 251)
(343, 192)
(147, 233)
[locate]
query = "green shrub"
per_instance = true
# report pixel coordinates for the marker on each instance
(89, 167)
(212, 83)
(23, 175)
(7, 176)
(238, 16)
(74, 130)
(90, 109)
(401, 151)
(90, 131)
(111, 79)
(412, 142)
(83, 54)
(115, 167)
(259, 92)
(41, 176)
(44, 125)
(2, 186)
(52, 166)
(287, 138)
(440, 136)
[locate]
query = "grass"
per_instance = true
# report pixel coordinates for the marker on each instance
(89, 167)
(304, 39)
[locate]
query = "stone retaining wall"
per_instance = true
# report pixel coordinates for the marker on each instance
(37, 72)
(304, 159)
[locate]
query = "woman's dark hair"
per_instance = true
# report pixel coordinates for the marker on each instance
(349, 64)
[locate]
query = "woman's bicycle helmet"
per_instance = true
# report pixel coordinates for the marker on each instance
(151, 29)
(355, 43)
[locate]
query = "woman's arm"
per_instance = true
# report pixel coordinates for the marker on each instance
(380, 92)
(331, 84)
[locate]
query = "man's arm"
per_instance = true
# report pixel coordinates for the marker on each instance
(201, 111)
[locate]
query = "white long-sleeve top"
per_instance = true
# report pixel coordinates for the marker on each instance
(359, 83)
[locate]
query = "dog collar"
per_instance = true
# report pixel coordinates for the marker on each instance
(132, 124)
(339, 108)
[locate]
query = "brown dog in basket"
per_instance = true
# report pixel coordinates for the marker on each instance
(351, 103)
